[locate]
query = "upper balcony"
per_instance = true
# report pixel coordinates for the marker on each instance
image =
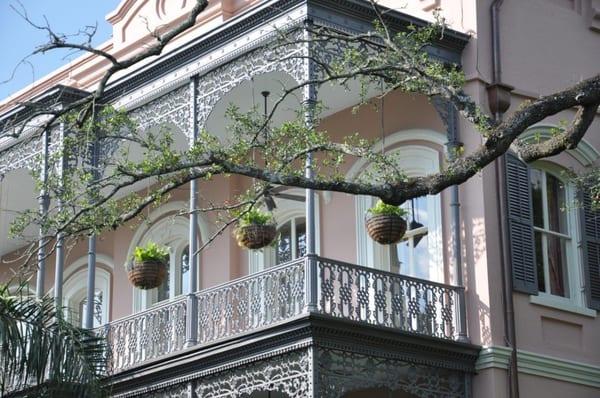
(354, 294)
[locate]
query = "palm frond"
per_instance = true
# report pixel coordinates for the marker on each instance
(43, 355)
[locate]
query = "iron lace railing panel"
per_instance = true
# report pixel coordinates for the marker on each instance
(259, 300)
(368, 295)
(146, 335)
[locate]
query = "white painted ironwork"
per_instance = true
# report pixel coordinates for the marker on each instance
(277, 295)
(381, 298)
(146, 335)
(260, 300)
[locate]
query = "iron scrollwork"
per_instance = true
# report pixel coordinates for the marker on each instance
(289, 373)
(217, 83)
(340, 372)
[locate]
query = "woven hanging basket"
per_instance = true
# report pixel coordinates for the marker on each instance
(147, 274)
(386, 229)
(255, 236)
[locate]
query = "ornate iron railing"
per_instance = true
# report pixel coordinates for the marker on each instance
(146, 335)
(382, 298)
(250, 303)
(276, 295)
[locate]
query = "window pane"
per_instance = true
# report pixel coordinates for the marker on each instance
(555, 192)
(300, 237)
(557, 263)
(536, 194)
(97, 319)
(185, 270)
(420, 213)
(284, 244)
(539, 261)
(163, 290)
(402, 257)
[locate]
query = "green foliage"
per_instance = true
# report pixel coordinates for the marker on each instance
(255, 216)
(44, 355)
(383, 209)
(151, 252)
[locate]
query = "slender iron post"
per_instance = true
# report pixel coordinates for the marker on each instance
(453, 146)
(91, 277)
(191, 328)
(60, 254)
(43, 202)
(309, 100)
(450, 118)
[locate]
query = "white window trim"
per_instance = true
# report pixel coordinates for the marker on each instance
(576, 301)
(418, 161)
(166, 228)
(75, 286)
(286, 210)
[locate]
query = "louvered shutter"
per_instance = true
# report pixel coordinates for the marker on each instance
(520, 226)
(591, 252)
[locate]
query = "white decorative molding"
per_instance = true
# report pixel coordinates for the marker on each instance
(169, 223)
(415, 160)
(540, 365)
(260, 259)
(562, 304)
(211, 60)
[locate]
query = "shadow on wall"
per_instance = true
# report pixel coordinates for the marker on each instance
(474, 252)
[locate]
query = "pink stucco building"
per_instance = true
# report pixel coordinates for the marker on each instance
(432, 316)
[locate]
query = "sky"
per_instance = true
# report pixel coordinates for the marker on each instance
(18, 38)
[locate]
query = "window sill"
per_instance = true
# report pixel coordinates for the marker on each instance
(561, 304)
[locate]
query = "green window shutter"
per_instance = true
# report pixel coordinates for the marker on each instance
(520, 226)
(591, 251)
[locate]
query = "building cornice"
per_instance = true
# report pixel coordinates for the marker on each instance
(350, 16)
(540, 365)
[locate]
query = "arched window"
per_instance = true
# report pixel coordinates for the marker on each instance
(291, 240)
(171, 232)
(167, 228)
(420, 254)
(75, 291)
(290, 244)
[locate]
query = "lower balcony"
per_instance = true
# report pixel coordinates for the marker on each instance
(313, 304)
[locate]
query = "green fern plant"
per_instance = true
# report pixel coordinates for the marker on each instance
(151, 252)
(383, 209)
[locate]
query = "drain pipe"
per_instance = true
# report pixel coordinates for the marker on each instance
(499, 101)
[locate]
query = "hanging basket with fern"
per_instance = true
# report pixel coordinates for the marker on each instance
(149, 266)
(385, 223)
(256, 229)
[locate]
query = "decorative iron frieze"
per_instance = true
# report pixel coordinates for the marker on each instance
(214, 85)
(339, 372)
(289, 373)
(172, 108)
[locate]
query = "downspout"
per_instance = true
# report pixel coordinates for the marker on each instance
(499, 102)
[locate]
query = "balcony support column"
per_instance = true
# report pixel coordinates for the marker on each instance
(191, 326)
(91, 276)
(43, 201)
(449, 116)
(309, 101)
(60, 253)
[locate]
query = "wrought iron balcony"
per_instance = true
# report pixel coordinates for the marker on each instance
(280, 294)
